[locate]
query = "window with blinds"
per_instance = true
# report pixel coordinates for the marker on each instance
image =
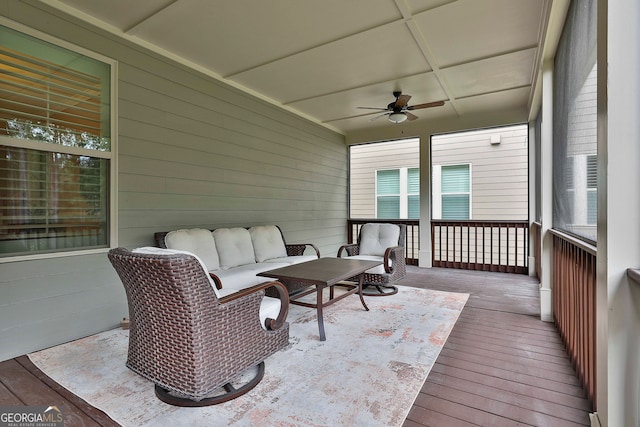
(388, 194)
(413, 193)
(455, 191)
(398, 193)
(55, 147)
(592, 189)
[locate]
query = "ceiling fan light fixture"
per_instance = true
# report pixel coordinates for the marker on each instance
(397, 117)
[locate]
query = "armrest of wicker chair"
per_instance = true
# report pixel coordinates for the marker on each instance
(350, 250)
(283, 295)
(216, 280)
(394, 254)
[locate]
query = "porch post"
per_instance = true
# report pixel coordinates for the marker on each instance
(546, 192)
(618, 299)
(424, 254)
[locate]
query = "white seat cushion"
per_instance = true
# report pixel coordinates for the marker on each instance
(267, 242)
(375, 270)
(269, 308)
(244, 276)
(198, 241)
(151, 250)
(376, 238)
(234, 247)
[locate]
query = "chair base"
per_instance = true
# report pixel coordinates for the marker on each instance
(381, 291)
(230, 393)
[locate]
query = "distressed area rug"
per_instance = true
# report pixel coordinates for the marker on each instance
(367, 373)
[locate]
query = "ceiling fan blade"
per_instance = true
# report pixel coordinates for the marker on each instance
(410, 116)
(377, 117)
(402, 100)
(427, 105)
(372, 108)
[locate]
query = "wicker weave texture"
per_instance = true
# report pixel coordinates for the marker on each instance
(181, 336)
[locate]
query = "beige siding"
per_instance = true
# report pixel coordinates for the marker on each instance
(499, 172)
(192, 152)
(366, 159)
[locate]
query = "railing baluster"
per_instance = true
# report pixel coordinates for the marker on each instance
(574, 308)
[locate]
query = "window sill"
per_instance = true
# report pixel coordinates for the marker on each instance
(50, 255)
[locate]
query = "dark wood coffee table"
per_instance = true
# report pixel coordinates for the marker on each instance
(321, 273)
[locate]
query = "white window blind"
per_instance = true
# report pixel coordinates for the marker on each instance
(56, 97)
(388, 193)
(455, 188)
(413, 193)
(592, 190)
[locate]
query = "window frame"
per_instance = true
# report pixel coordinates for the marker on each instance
(111, 155)
(402, 195)
(437, 200)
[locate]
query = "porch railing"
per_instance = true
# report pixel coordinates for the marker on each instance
(574, 304)
(412, 246)
(478, 245)
(500, 246)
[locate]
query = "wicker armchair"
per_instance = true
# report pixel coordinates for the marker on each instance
(190, 343)
(383, 242)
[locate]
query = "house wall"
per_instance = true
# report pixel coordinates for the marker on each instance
(499, 171)
(365, 160)
(192, 152)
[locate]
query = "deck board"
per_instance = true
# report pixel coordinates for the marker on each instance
(501, 365)
(30, 390)
(30, 386)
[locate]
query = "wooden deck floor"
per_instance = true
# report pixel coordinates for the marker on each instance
(501, 365)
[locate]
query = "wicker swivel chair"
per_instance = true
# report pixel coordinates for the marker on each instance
(380, 242)
(190, 343)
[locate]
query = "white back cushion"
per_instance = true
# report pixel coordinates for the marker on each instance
(151, 250)
(197, 241)
(376, 238)
(267, 242)
(234, 247)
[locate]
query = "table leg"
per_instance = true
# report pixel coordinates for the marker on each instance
(360, 292)
(319, 304)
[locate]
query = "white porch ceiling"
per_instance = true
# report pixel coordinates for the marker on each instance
(324, 58)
